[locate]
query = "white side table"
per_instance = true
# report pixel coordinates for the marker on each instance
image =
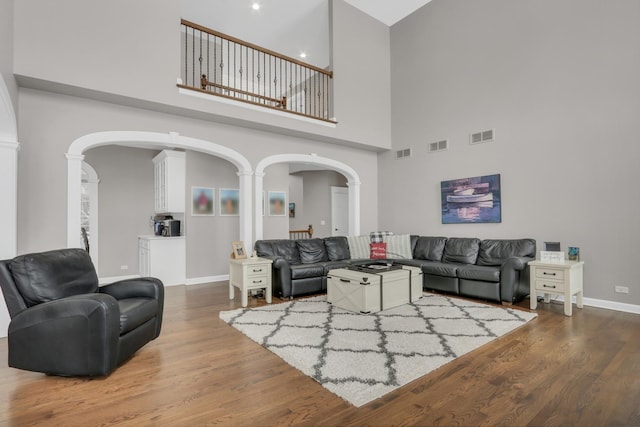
(556, 278)
(250, 273)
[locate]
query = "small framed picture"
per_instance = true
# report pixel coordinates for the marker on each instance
(277, 203)
(574, 253)
(238, 250)
(202, 201)
(229, 202)
(292, 210)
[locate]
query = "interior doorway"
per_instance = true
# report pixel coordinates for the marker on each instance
(339, 211)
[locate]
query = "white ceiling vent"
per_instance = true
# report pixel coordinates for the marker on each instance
(401, 154)
(480, 137)
(438, 146)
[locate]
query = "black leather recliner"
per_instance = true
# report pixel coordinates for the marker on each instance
(63, 323)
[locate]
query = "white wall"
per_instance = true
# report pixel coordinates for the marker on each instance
(558, 81)
(134, 58)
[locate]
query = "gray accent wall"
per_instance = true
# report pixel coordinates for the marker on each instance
(125, 205)
(558, 81)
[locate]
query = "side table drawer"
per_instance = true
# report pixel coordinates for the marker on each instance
(549, 273)
(257, 282)
(257, 270)
(549, 286)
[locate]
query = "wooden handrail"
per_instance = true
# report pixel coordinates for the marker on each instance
(301, 234)
(204, 82)
(255, 47)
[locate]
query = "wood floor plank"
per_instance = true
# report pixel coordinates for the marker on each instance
(556, 370)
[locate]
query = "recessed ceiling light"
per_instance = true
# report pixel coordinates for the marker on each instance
(303, 55)
(256, 6)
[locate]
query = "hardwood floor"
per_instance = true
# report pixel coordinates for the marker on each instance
(556, 370)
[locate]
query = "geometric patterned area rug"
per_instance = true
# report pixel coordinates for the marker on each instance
(362, 357)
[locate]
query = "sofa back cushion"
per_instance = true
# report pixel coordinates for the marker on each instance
(359, 246)
(398, 246)
(48, 276)
(312, 251)
(495, 252)
(286, 249)
(461, 250)
(429, 248)
(337, 248)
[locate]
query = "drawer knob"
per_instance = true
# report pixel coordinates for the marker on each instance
(549, 286)
(548, 274)
(257, 270)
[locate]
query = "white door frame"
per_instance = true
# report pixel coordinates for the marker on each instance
(151, 140)
(353, 182)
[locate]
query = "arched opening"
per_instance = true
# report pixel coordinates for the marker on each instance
(152, 140)
(353, 183)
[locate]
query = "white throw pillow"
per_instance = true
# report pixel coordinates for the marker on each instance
(359, 246)
(398, 246)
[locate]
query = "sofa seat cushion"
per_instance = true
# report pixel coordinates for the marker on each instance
(136, 311)
(495, 252)
(337, 248)
(461, 250)
(302, 271)
(429, 248)
(440, 268)
(481, 273)
(312, 251)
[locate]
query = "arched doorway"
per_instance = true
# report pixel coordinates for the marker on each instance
(353, 182)
(152, 140)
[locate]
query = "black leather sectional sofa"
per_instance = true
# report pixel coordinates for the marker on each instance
(492, 269)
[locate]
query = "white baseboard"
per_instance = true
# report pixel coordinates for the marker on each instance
(207, 279)
(601, 303)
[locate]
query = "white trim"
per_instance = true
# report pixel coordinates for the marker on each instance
(207, 279)
(92, 191)
(353, 182)
(220, 99)
(602, 303)
(8, 122)
(150, 140)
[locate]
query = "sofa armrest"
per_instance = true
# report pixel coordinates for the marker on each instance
(144, 287)
(514, 279)
(281, 280)
(77, 335)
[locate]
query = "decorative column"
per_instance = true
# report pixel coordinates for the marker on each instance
(9, 198)
(246, 209)
(74, 200)
(354, 207)
(259, 205)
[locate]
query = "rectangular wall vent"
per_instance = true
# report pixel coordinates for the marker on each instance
(400, 154)
(438, 146)
(480, 137)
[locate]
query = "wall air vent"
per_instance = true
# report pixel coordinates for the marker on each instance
(401, 154)
(438, 146)
(480, 137)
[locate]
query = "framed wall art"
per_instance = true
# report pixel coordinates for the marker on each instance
(202, 201)
(471, 200)
(229, 202)
(277, 203)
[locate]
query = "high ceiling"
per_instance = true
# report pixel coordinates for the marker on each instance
(290, 27)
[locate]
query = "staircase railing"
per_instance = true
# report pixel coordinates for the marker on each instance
(221, 65)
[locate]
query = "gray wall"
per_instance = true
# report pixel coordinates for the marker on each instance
(125, 205)
(277, 179)
(6, 47)
(135, 59)
(558, 81)
(50, 122)
(317, 200)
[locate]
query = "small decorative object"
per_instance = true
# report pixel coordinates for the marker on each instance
(238, 250)
(277, 200)
(202, 201)
(471, 200)
(552, 246)
(292, 210)
(229, 202)
(553, 257)
(574, 253)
